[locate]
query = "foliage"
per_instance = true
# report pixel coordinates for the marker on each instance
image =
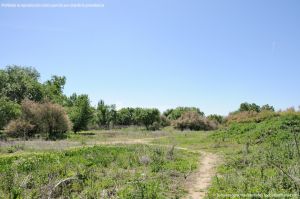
(250, 116)
(18, 83)
(269, 161)
(46, 119)
(19, 128)
(97, 172)
(174, 114)
(219, 119)
(125, 116)
(247, 107)
(147, 116)
(193, 121)
(267, 107)
(80, 111)
(164, 121)
(8, 110)
(53, 89)
(106, 115)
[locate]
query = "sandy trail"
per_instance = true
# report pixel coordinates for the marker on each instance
(198, 182)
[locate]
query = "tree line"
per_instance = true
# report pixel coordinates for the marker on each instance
(30, 108)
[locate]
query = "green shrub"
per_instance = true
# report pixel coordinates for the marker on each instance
(266, 159)
(147, 116)
(80, 111)
(174, 114)
(8, 110)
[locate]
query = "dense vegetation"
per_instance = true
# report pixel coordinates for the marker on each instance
(268, 161)
(261, 147)
(97, 172)
(20, 87)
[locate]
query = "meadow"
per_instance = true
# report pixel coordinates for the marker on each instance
(257, 160)
(114, 171)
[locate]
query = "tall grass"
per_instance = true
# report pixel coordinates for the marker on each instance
(267, 165)
(93, 172)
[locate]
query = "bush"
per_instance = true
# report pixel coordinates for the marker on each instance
(174, 114)
(155, 126)
(8, 110)
(193, 121)
(80, 111)
(219, 119)
(55, 120)
(147, 116)
(19, 128)
(250, 116)
(47, 119)
(164, 121)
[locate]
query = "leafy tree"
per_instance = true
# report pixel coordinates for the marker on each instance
(8, 110)
(217, 118)
(267, 107)
(18, 83)
(53, 89)
(147, 117)
(80, 111)
(112, 116)
(168, 112)
(249, 107)
(176, 113)
(106, 114)
(47, 119)
(125, 116)
(102, 113)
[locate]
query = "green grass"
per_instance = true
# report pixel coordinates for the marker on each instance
(259, 158)
(197, 140)
(267, 164)
(134, 171)
(84, 138)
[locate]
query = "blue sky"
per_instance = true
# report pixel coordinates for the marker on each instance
(212, 54)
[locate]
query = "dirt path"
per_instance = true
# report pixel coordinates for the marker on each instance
(198, 182)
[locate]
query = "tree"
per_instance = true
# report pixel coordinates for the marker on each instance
(217, 118)
(267, 107)
(249, 107)
(53, 89)
(193, 121)
(47, 119)
(147, 117)
(125, 116)
(18, 83)
(55, 120)
(174, 114)
(8, 110)
(106, 114)
(80, 111)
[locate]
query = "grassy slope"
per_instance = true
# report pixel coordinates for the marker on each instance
(133, 171)
(258, 157)
(268, 162)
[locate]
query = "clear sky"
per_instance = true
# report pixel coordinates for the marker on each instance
(212, 54)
